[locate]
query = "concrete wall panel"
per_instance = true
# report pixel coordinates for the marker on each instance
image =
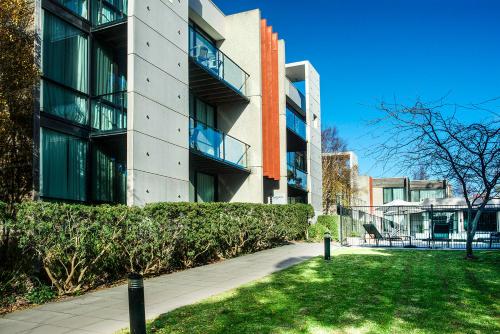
(159, 121)
(152, 188)
(157, 133)
(158, 157)
(163, 19)
(208, 16)
(157, 50)
(159, 86)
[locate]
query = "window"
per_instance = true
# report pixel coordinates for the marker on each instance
(205, 187)
(64, 103)
(422, 194)
(487, 221)
(79, 7)
(109, 174)
(65, 61)
(63, 166)
(392, 194)
(202, 112)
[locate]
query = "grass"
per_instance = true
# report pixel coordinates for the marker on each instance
(359, 291)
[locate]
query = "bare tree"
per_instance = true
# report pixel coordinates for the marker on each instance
(331, 142)
(338, 177)
(431, 135)
(420, 173)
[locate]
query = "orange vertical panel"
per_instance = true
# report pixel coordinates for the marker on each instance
(270, 102)
(275, 109)
(263, 35)
(269, 32)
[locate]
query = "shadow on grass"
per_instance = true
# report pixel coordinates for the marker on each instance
(365, 291)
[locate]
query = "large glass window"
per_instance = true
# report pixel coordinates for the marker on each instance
(392, 194)
(205, 187)
(109, 103)
(108, 11)
(422, 194)
(201, 111)
(64, 103)
(79, 7)
(109, 176)
(64, 60)
(487, 222)
(63, 166)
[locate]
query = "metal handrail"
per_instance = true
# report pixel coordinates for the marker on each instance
(224, 136)
(196, 34)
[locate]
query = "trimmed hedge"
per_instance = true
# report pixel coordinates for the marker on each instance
(81, 246)
(324, 224)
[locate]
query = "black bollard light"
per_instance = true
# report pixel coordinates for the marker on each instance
(136, 310)
(328, 240)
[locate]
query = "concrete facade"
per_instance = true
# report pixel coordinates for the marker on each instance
(189, 126)
(157, 151)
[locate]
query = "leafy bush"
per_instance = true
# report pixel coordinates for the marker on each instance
(83, 246)
(41, 294)
(324, 224)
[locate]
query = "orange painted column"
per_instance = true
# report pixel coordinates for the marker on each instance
(270, 102)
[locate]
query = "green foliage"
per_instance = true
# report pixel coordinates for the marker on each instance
(83, 246)
(41, 294)
(325, 223)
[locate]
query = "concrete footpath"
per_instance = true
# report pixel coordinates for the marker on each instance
(106, 311)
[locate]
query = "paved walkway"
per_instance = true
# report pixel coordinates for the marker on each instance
(106, 311)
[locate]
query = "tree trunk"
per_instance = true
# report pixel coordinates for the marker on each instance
(471, 231)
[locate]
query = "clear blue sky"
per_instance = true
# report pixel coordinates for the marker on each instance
(369, 50)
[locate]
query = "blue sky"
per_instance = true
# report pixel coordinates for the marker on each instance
(369, 50)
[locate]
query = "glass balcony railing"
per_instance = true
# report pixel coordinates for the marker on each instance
(296, 169)
(106, 12)
(109, 112)
(295, 124)
(216, 144)
(296, 95)
(296, 177)
(205, 54)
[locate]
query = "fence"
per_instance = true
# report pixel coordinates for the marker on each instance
(417, 226)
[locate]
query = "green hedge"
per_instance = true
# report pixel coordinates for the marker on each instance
(324, 224)
(82, 246)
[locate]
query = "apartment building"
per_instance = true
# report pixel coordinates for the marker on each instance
(373, 192)
(172, 100)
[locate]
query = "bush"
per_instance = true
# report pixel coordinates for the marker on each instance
(83, 246)
(324, 224)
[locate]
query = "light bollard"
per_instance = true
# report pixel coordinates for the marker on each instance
(136, 309)
(328, 240)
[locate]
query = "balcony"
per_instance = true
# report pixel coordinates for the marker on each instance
(215, 151)
(295, 124)
(296, 170)
(109, 114)
(295, 96)
(213, 76)
(296, 178)
(108, 12)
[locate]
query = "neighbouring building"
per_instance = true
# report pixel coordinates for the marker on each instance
(163, 101)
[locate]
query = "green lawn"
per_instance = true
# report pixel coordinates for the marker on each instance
(358, 291)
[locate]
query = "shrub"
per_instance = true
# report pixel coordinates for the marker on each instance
(83, 246)
(324, 223)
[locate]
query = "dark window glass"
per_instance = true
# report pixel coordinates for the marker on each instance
(487, 221)
(64, 60)
(65, 53)
(63, 166)
(79, 7)
(205, 187)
